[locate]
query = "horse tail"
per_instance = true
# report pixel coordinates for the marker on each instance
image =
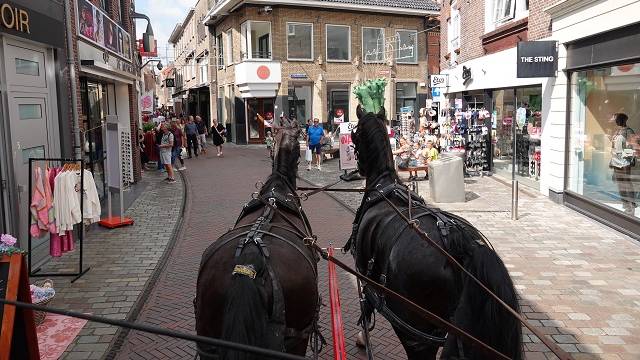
(482, 316)
(245, 313)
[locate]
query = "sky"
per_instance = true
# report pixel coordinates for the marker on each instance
(164, 15)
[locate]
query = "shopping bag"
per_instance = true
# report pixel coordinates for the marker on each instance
(307, 155)
(183, 153)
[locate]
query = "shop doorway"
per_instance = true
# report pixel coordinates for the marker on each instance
(338, 104)
(95, 108)
(259, 110)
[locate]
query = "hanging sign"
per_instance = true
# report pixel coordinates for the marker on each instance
(348, 158)
(18, 338)
(146, 102)
(439, 81)
(537, 59)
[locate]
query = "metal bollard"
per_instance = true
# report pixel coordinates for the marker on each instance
(514, 199)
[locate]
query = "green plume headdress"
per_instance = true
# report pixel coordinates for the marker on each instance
(370, 94)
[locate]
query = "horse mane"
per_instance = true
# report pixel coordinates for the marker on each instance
(372, 145)
(285, 164)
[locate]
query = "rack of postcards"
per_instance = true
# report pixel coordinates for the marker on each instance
(126, 157)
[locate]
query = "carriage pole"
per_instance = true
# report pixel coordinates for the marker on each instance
(337, 329)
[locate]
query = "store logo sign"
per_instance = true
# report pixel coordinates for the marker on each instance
(537, 59)
(439, 81)
(466, 75)
(14, 18)
(263, 72)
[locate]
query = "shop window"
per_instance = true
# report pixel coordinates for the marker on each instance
(299, 41)
(300, 97)
(255, 39)
(405, 97)
(203, 65)
(338, 42)
(406, 46)
(337, 104)
(30, 111)
(27, 67)
(453, 31)
(373, 45)
(603, 143)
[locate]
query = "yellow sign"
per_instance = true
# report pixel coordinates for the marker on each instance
(14, 18)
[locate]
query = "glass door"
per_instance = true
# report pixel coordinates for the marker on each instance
(502, 118)
(95, 108)
(258, 111)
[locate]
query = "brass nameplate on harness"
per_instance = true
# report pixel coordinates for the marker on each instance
(246, 270)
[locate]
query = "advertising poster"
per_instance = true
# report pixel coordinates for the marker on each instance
(96, 27)
(348, 160)
(146, 102)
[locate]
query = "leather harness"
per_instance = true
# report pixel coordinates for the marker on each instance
(374, 300)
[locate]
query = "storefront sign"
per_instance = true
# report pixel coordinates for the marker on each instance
(169, 83)
(143, 53)
(26, 23)
(348, 158)
(435, 93)
(537, 59)
(466, 75)
(439, 81)
(96, 27)
(339, 116)
(103, 60)
(298, 76)
(146, 102)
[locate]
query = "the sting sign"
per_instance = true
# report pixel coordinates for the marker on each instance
(537, 59)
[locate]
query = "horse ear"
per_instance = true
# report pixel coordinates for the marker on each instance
(360, 112)
(382, 113)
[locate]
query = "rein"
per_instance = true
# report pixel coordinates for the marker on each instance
(415, 225)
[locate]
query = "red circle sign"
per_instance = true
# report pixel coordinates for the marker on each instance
(263, 72)
(339, 112)
(268, 115)
(625, 68)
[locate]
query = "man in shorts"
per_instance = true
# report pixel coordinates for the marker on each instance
(166, 148)
(315, 135)
(202, 134)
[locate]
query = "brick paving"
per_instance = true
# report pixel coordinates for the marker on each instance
(577, 279)
(217, 189)
(122, 262)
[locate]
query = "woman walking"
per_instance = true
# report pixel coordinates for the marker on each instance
(218, 132)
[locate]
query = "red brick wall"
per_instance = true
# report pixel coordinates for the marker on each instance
(445, 12)
(433, 52)
(539, 21)
(471, 29)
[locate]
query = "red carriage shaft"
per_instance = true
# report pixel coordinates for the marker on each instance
(337, 329)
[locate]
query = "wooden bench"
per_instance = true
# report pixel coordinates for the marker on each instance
(415, 169)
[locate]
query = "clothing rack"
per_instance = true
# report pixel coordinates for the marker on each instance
(80, 232)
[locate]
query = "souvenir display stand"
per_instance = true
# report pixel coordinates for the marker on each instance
(63, 165)
(118, 170)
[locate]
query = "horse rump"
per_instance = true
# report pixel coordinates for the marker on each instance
(482, 316)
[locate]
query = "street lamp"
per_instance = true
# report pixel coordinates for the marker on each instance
(148, 40)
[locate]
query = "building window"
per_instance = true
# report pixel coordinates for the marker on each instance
(373, 45)
(299, 41)
(603, 144)
(499, 12)
(453, 29)
(338, 43)
(406, 46)
(220, 49)
(405, 97)
(203, 64)
(230, 47)
(255, 39)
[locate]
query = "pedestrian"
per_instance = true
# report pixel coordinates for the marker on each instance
(202, 134)
(158, 134)
(218, 132)
(269, 141)
(191, 130)
(314, 139)
(166, 146)
(177, 148)
(623, 157)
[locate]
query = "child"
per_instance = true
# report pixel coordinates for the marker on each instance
(269, 141)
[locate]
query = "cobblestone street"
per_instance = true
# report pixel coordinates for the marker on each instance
(577, 279)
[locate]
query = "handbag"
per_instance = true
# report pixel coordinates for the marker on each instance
(308, 155)
(183, 153)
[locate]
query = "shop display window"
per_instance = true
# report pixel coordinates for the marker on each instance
(603, 140)
(405, 97)
(300, 97)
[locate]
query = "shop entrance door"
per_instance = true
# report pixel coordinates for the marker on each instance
(32, 125)
(258, 111)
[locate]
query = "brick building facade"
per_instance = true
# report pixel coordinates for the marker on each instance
(303, 61)
(191, 45)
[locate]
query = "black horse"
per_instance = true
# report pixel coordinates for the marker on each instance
(387, 249)
(257, 283)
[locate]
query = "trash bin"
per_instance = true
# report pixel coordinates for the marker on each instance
(446, 179)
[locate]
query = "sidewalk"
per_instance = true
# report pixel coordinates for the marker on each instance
(122, 263)
(577, 279)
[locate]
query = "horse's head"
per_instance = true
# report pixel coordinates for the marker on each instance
(372, 144)
(287, 152)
